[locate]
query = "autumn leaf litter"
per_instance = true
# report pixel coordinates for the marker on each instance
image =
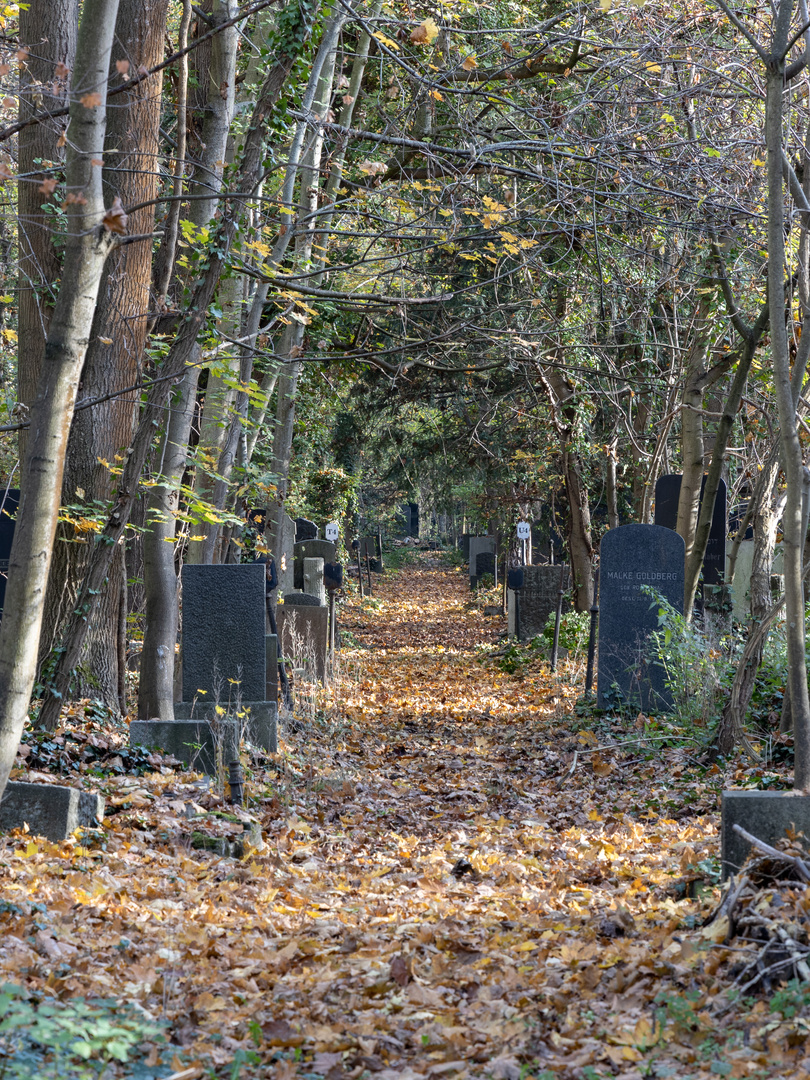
(457, 876)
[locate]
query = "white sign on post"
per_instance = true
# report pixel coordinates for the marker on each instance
(524, 530)
(332, 530)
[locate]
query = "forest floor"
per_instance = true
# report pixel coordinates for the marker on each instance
(462, 874)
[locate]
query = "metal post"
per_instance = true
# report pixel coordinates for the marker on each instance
(592, 635)
(332, 626)
(556, 644)
(236, 780)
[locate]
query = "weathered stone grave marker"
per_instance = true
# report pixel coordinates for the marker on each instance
(303, 631)
(667, 494)
(485, 546)
(305, 530)
(49, 810)
(310, 549)
(630, 557)
(224, 662)
(538, 600)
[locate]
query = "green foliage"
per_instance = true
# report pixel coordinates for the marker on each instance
(575, 628)
(699, 669)
(74, 1040)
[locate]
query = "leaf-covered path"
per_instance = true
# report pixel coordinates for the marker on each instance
(459, 878)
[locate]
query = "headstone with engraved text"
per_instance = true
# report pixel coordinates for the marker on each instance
(631, 557)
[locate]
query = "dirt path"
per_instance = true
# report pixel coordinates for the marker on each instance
(446, 890)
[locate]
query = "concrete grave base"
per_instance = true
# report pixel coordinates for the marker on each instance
(191, 741)
(766, 815)
(261, 720)
(49, 810)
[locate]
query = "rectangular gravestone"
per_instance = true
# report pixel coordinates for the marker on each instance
(537, 600)
(303, 630)
(480, 545)
(464, 545)
(224, 631)
(741, 584)
(9, 504)
(633, 556)
(414, 520)
(49, 810)
(667, 494)
(548, 545)
(311, 549)
(313, 579)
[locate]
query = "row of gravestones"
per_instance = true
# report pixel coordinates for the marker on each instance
(230, 661)
(632, 557)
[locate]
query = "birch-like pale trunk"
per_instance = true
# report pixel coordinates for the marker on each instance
(793, 541)
(181, 353)
(161, 614)
(88, 243)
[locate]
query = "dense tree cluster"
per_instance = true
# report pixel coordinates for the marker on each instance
(500, 258)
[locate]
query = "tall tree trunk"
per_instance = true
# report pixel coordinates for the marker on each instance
(88, 244)
(49, 31)
(181, 353)
(156, 695)
(766, 517)
(99, 436)
(793, 541)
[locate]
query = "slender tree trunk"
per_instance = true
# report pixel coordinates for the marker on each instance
(793, 541)
(181, 353)
(99, 436)
(766, 518)
(88, 244)
(49, 31)
(693, 453)
(156, 695)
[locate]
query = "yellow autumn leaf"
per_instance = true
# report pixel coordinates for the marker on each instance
(470, 63)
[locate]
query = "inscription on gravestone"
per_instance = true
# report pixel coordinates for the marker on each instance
(633, 556)
(667, 493)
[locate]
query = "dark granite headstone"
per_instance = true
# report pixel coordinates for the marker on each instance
(9, 502)
(667, 494)
(224, 629)
(480, 545)
(548, 546)
(310, 549)
(485, 564)
(630, 557)
(414, 520)
(538, 599)
(464, 544)
(305, 530)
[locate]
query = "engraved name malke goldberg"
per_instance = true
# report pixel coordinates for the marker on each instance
(641, 575)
